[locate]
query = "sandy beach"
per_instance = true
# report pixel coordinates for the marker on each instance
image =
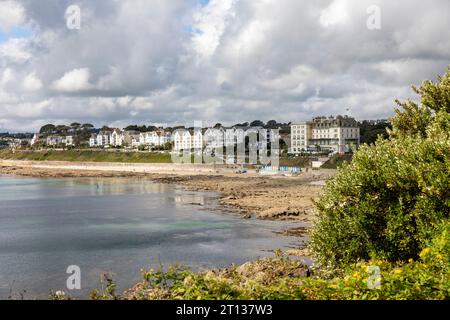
(252, 194)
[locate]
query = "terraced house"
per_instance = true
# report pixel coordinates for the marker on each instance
(188, 139)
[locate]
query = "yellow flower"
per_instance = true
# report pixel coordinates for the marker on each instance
(398, 271)
(425, 252)
(357, 276)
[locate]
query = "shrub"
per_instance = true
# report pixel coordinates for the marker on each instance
(389, 200)
(427, 278)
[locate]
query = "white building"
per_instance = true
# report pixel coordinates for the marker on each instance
(100, 140)
(151, 138)
(135, 140)
(93, 141)
(68, 141)
(117, 138)
(182, 140)
(155, 138)
(340, 135)
(54, 140)
(59, 140)
(35, 139)
(197, 139)
(187, 140)
(103, 140)
(164, 137)
(214, 138)
(234, 136)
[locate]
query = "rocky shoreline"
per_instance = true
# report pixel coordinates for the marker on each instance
(252, 195)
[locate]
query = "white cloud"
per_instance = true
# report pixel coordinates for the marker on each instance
(8, 75)
(209, 25)
(74, 81)
(31, 83)
(227, 61)
(15, 51)
(12, 14)
(335, 13)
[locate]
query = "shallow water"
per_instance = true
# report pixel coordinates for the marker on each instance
(115, 226)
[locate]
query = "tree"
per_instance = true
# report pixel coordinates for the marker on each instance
(390, 200)
(61, 128)
(87, 126)
(218, 126)
(48, 128)
(272, 124)
(370, 131)
(168, 145)
(140, 128)
(75, 125)
(412, 118)
(257, 123)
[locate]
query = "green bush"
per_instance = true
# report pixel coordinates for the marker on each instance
(389, 200)
(427, 278)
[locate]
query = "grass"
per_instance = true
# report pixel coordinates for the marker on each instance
(86, 156)
(337, 160)
(300, 161)
(113, 156)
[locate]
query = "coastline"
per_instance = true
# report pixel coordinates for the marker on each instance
(252, 194)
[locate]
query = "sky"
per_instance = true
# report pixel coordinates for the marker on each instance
(173, 62)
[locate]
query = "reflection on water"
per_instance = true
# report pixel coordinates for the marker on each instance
(117, 226)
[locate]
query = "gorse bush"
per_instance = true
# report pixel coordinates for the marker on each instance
(390, 199)
(428, 277)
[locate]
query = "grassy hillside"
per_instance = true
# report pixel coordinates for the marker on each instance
(336, 161)
(296, 162)
(86, 155)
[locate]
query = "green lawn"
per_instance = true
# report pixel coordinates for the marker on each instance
(86, 155)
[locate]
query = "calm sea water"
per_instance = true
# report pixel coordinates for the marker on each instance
(115, 226)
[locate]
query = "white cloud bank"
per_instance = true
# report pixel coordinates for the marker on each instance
(226, 61)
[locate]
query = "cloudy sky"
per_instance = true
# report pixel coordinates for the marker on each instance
(229, 61)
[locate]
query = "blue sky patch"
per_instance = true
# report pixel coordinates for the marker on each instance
(17, 32)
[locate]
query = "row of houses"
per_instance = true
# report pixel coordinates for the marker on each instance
(55, 140)
(118, 138)
(338, 134)
(182, 139)
(222, 137)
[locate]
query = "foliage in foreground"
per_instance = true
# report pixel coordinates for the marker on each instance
(389, 200)
(281, 278)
